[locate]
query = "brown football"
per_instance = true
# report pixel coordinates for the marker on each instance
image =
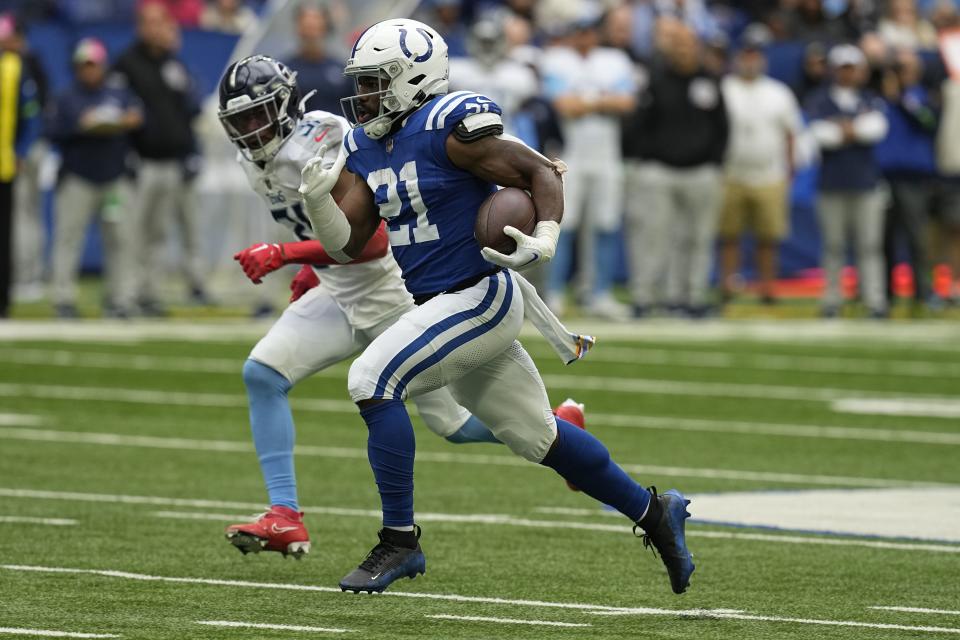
(506, 207)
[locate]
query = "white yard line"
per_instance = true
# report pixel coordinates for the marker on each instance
(611, 384)
(241, 446)
(507, 520)
(626, 355)
(942, 612)
(536, 623)
(716, 614)
(811, 621)
(55, 522)
(935, 335)
(496, 519)
(20, 420)
(147, 396)
(54, 634)
(932, 408)
(277, 627)
(867, 434)
(768, 362)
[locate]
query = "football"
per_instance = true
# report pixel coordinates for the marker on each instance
(506, 207)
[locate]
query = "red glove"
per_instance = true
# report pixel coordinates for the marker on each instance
(305, 280)
(260, 259)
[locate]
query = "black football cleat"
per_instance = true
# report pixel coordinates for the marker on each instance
(668, 537)
(397, 555)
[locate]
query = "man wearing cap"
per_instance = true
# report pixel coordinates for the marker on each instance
(90, 123)
(764, 118)
(847, 123)
(591, 88)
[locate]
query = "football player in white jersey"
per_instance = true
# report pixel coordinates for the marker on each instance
(328, 321)
(427, 159)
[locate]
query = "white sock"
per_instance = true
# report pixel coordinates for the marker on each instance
(409, 527)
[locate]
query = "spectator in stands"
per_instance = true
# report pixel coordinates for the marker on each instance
(948, 163)
(902, 27)
(680, 132)
(445, 17)
(186, 12)
(810, 22)
(847, 122)
(592, 88)
(90, 124)
(764, 120)
(28, 227)
(228, 16)
(167, 150)
(814, 72)
(908, 161)
(19, 116)
(316, 69)
(489, 69)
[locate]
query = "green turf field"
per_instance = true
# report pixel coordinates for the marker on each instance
(822, 460)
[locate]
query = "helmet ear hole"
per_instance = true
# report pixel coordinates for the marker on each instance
(416, 79)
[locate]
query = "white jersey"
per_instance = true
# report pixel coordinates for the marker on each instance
(367, 292)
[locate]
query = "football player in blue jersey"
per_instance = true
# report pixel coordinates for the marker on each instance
(425, 160)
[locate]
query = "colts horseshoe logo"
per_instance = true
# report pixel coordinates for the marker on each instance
(403, 45)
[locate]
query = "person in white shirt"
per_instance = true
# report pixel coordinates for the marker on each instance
(591, 88)
(764, 120)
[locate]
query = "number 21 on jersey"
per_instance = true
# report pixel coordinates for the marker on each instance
(385, 183)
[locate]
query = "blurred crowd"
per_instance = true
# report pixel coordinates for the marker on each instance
(679, 141)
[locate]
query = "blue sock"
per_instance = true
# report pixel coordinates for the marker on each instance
(561, 263)
(273, 433)
(473, 430)
(607, 249)
(583, 460)
(390, 448)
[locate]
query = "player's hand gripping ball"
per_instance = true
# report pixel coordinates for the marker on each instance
(510, 207)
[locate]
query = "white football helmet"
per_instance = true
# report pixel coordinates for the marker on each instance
(402, 61)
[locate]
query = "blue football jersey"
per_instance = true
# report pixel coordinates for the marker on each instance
(429, 204)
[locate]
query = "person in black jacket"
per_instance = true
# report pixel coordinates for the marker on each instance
(679, 134)
(167, 150)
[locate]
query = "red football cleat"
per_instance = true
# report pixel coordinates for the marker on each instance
(279, 529)
(572, 412)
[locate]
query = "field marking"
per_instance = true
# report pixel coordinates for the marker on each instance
(243, 446)
(277, 627)
(933, 408)
(945, 612)
(538, 623)
(939, 335)
(811, 621)
(20, 419)
(54, 634)
(630, 355)
(770, 362)
(612, 384)
(56, 522)
(148, 396)
(498, 519)
(718, 614)
(507, 520)
(446, 597)
(700, 425)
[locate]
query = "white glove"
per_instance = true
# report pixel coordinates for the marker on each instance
(530, 250)
(330, 225)
(319, 176)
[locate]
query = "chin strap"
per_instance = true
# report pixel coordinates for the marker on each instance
(303, 100)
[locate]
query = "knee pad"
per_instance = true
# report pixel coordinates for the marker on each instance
(258, 377)
(361, 380)
(530, 444)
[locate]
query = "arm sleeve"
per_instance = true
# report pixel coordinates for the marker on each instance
(312, 252)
